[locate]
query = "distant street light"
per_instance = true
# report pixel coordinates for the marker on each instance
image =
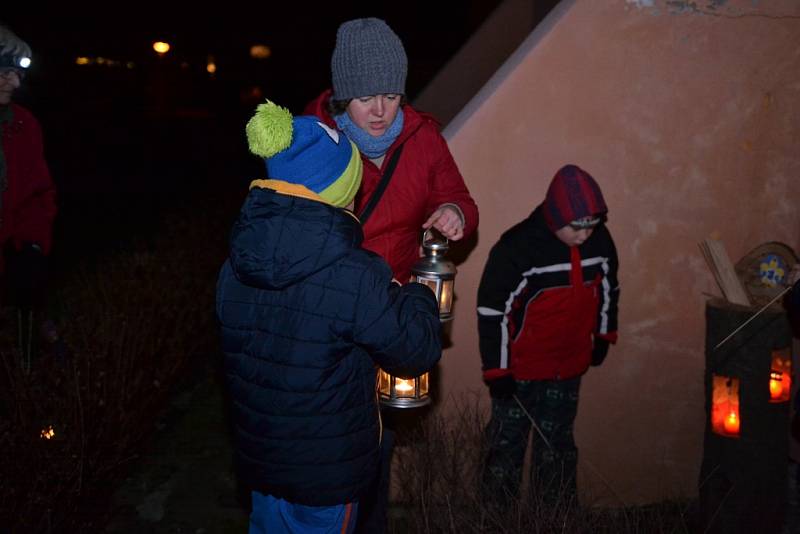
(161, 47)
(259, 51)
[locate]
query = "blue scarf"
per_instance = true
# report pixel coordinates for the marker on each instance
(370, 146)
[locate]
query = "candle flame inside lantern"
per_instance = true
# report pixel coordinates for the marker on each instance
(775, 385)
(404, 386)
(732, 423)
(48, 433)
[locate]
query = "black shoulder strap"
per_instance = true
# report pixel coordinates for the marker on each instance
(376, 196)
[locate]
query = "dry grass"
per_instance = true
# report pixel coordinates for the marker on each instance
(441, 460)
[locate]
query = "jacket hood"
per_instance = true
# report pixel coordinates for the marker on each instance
(573, 194)
(286, 233)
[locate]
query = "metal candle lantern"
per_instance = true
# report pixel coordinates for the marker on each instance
(436, 272)
(403, 392)
(439, 274)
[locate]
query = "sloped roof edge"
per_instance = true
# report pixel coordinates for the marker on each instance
(541, 30)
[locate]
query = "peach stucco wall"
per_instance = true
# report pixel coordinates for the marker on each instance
(689, 118)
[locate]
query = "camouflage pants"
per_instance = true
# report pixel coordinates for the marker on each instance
(553, 404)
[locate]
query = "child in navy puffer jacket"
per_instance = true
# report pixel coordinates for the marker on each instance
(306, 316)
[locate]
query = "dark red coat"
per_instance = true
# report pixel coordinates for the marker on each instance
(29, 201)
(425, 178)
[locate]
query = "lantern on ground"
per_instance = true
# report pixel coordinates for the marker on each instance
(439, 274)
(725, 419)
(780, 376)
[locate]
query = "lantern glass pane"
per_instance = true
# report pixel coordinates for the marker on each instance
(446, 298)
(423, 385)
(725, 419)
(384, 383)
(780, 377)
(405, 388)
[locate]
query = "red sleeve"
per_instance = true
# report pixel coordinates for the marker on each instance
(448, 187)
(611, 337)
(494, 374)
(37, 211)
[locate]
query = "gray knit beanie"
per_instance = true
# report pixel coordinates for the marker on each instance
(368, 59)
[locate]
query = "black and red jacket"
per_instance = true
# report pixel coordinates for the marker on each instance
(541, 302)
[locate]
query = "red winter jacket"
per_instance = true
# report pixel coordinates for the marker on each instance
(29, 201)
(425, 178)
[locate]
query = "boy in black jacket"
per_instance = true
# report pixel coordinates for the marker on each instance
(547, 309)
(306, 315)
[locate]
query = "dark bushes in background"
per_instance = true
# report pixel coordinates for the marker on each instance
(131, 322)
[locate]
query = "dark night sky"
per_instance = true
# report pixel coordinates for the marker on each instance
(301, 35)
(167, 118)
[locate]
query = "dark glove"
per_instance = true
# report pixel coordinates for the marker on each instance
(26, 275)
(600, 351)
(795, 426)
(503, 387)
(794, 298)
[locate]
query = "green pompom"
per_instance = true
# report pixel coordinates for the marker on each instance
(270, 130)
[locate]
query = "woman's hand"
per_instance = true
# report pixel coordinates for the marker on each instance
(448, 221)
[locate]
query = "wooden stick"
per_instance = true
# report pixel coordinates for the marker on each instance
(767, 305)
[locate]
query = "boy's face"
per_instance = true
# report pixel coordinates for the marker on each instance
(577, 232)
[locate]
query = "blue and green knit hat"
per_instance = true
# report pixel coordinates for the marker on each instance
(303, 150)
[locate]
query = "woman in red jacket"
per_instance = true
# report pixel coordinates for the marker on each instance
(410, 183)
(368, 102)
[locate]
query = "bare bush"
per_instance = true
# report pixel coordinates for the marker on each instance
(131, 321)
(439, 489)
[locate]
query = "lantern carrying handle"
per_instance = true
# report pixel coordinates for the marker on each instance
(425, 239)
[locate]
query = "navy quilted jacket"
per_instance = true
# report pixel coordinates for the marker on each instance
(306, 315)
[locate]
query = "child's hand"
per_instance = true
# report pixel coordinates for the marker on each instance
(448, 221)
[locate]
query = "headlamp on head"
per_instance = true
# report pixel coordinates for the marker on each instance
(11, 61)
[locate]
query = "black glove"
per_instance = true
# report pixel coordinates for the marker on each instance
(503, 387)
(26, 275)
(794, 298)
(600, 351)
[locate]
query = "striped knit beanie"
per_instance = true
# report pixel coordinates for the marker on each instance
(302, 150)
(572, 195)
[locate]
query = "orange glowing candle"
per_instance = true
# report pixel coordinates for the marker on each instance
(404, 386)
(775, 386)
(732, 423)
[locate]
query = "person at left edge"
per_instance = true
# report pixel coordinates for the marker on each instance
(27, 193)
(306, 315)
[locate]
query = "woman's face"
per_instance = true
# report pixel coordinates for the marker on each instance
(374, 114)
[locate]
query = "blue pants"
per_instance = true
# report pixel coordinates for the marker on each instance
(271, 515)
